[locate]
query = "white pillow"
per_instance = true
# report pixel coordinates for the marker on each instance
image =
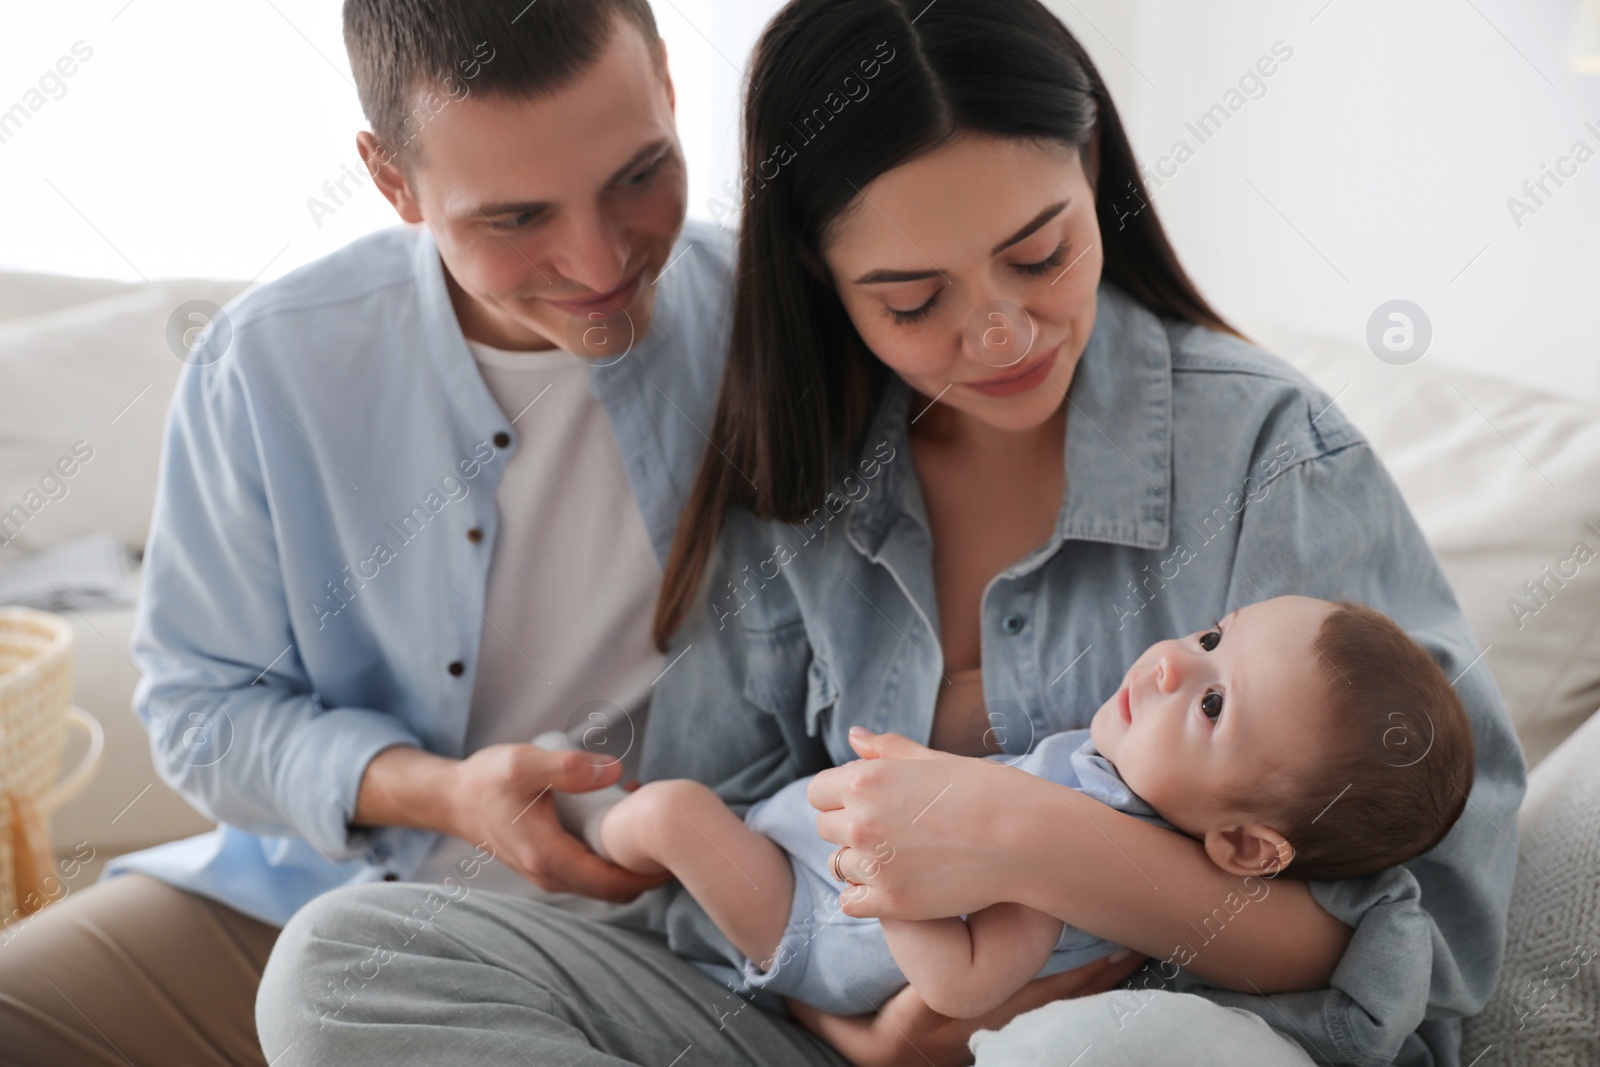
(78, 451)
(1544, 1008)
(1504, 481)
(22, 295)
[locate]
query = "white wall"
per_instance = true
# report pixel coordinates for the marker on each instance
(1377, 165)
(191, 139)
(188, 144)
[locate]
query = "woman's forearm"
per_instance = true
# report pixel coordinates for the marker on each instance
(930, 834)
(1157, 892)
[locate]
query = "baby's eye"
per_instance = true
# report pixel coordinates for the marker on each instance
(1211, 704)
(1210, 640)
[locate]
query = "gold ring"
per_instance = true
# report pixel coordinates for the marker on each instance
(838, 875)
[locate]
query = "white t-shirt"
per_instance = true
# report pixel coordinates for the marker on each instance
(572, 587)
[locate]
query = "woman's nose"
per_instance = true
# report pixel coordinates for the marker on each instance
(998, 333)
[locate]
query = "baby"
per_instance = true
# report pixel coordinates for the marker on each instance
(1296, 735)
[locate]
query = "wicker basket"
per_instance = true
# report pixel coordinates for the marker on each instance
(35, 712)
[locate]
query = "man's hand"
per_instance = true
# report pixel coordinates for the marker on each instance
(499, 799)
(908, 1033)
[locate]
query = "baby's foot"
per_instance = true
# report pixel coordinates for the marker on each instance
(581, 813)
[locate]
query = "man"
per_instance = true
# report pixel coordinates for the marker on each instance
(401, 529)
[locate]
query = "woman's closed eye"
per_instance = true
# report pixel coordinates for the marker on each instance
(1043, 266)
(903, 318)
(1047, 264)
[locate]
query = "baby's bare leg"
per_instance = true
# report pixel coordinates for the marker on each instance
(739, 876)
(964, 968)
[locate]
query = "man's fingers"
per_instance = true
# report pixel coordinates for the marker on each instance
(569, 866)
(579, 772)
(607, 881)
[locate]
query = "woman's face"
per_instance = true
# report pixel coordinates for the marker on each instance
(972, 271)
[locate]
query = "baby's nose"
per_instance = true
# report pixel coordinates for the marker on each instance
(1167, 678)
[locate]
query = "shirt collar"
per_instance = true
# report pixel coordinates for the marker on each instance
(1119, 429)
(1118, 439)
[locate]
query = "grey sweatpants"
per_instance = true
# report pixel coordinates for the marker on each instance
(386, 975)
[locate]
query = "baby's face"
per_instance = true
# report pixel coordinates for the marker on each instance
(1202, 717)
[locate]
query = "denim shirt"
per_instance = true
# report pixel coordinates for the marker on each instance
(324, 525)
(1202, 475)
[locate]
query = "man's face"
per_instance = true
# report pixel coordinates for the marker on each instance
(555, 216)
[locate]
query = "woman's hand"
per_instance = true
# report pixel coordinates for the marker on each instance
(921, 828)
(499, 799)
(908, 1032)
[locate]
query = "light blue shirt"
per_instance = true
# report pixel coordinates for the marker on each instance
(311, 594)
(1202, 474)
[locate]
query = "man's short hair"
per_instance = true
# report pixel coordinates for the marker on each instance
(452, 48)
(1395, 755)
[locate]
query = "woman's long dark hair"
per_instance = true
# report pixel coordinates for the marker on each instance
(840, 92)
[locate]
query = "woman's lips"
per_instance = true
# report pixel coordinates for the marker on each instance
(605, 303)
(1020, 382)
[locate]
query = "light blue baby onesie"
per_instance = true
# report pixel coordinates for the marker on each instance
(842, 964)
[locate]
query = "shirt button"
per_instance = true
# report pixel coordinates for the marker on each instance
(502, 439)
(457, 669)
(390, 876)
(474, 535)
(1012, 624)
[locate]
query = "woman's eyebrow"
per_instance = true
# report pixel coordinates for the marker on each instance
(1032, 227)
(878, 277)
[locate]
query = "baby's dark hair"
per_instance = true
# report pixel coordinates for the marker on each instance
(1399, 761)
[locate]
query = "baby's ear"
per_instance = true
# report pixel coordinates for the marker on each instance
(1249, 848)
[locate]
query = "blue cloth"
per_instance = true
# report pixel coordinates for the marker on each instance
(1202, 474)
(311, 596)
(842, 964)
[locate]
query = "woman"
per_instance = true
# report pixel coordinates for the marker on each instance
(947, 269)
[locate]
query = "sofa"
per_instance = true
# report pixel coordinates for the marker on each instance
(1504, 480)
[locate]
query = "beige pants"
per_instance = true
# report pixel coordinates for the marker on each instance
(132, 971)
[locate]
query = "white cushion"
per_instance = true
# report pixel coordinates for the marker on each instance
(126, 805)
(72, 375)
(23, 294)
(1544, 1008)
(1505, 482)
